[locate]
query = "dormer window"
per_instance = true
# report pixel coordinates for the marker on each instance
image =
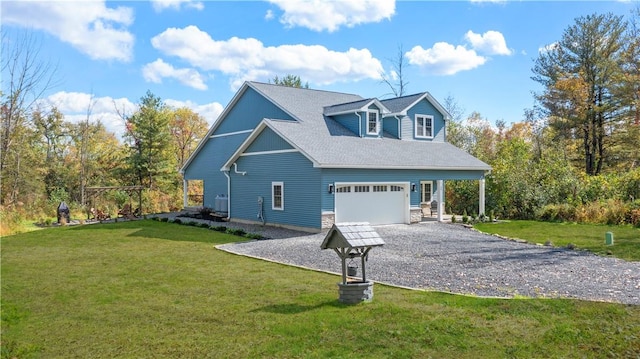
(424, 126)
(372, 123)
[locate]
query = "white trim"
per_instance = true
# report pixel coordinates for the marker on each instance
(402, 167)
(231, 133)
(273, 196)
(256, 132)
(415, 125)
(383, 109)
(406, 186)
(422, 183)
(274, 152)
(377, 131)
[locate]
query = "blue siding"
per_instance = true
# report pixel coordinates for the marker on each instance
(332, 175)
(424, 108)
(248, 111)
(206, 166)
(350, 121)
(390, 126)
(301, 189)
(268, 141)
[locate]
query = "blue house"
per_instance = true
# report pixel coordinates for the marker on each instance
(305, 159)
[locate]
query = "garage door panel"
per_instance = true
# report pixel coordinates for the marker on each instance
(373, 203)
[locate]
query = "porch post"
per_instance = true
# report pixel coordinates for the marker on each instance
(440, 199)
(481, 204)
(185, 195)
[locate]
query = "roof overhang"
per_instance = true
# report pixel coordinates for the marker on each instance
(365, 107)
(256, 132)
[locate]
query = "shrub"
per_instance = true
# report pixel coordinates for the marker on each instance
(557, 212)
(204, 225)
(253, 236)
(177, 221)
(164, 219)
(219, 228)
(192, 223)
(236, 231)
(453, 219)
(465, 217)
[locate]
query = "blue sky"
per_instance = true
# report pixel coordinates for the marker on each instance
(197, 53)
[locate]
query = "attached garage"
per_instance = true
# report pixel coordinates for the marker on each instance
(376, 203)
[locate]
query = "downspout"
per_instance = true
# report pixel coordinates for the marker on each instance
(185, 195)
(359, 124)
(399, 127)
(235, 168)
(226, 173)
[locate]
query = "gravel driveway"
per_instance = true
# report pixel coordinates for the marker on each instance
(452, 258)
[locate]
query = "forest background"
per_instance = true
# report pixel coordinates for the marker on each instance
(575, 156)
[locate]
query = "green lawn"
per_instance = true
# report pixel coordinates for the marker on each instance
(626, 244)
(148, 289)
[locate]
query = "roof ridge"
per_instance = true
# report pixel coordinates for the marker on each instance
(303, 88)
(405, 96)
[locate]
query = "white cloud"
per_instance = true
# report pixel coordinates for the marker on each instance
(444, 58)
(320, 15)
(74, 106)
(490, 43)
(157, 70)
(547, 48)
(269, 15)
(90, 26)
(248, 58)
(209, 112)
(160, 5)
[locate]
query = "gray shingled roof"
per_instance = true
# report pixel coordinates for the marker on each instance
(351, 235)
(329, 144)
(345, 107)
(398, 104)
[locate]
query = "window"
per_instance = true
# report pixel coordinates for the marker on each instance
(372, 123)
(397, 188)
(426, 189)
(277, 196)
(424, 126)
(379, 188)
(361, 188)
(343, 189)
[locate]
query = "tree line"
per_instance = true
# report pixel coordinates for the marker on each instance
(574, 156)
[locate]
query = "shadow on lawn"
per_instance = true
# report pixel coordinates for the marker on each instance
(294, 308)
(161, 230)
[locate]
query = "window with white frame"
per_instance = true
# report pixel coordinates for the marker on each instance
(372, 123)
(426, 189)
(277, 196)
(424, 126)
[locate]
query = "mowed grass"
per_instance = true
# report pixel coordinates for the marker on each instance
(626, 244)
(148, 289)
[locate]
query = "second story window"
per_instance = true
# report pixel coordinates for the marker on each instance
(372, 123)
(424, 126)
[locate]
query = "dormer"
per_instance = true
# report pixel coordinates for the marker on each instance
(363, 118)
(420, 117)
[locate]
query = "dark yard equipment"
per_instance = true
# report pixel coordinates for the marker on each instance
(63, 213)
(351, 241)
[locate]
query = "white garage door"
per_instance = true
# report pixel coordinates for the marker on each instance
(373, 203)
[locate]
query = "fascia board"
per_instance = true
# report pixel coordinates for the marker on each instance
(384, 110)
(433, 102)
(404, 167)
(215, 125)
(261, 126)
(254, 134)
